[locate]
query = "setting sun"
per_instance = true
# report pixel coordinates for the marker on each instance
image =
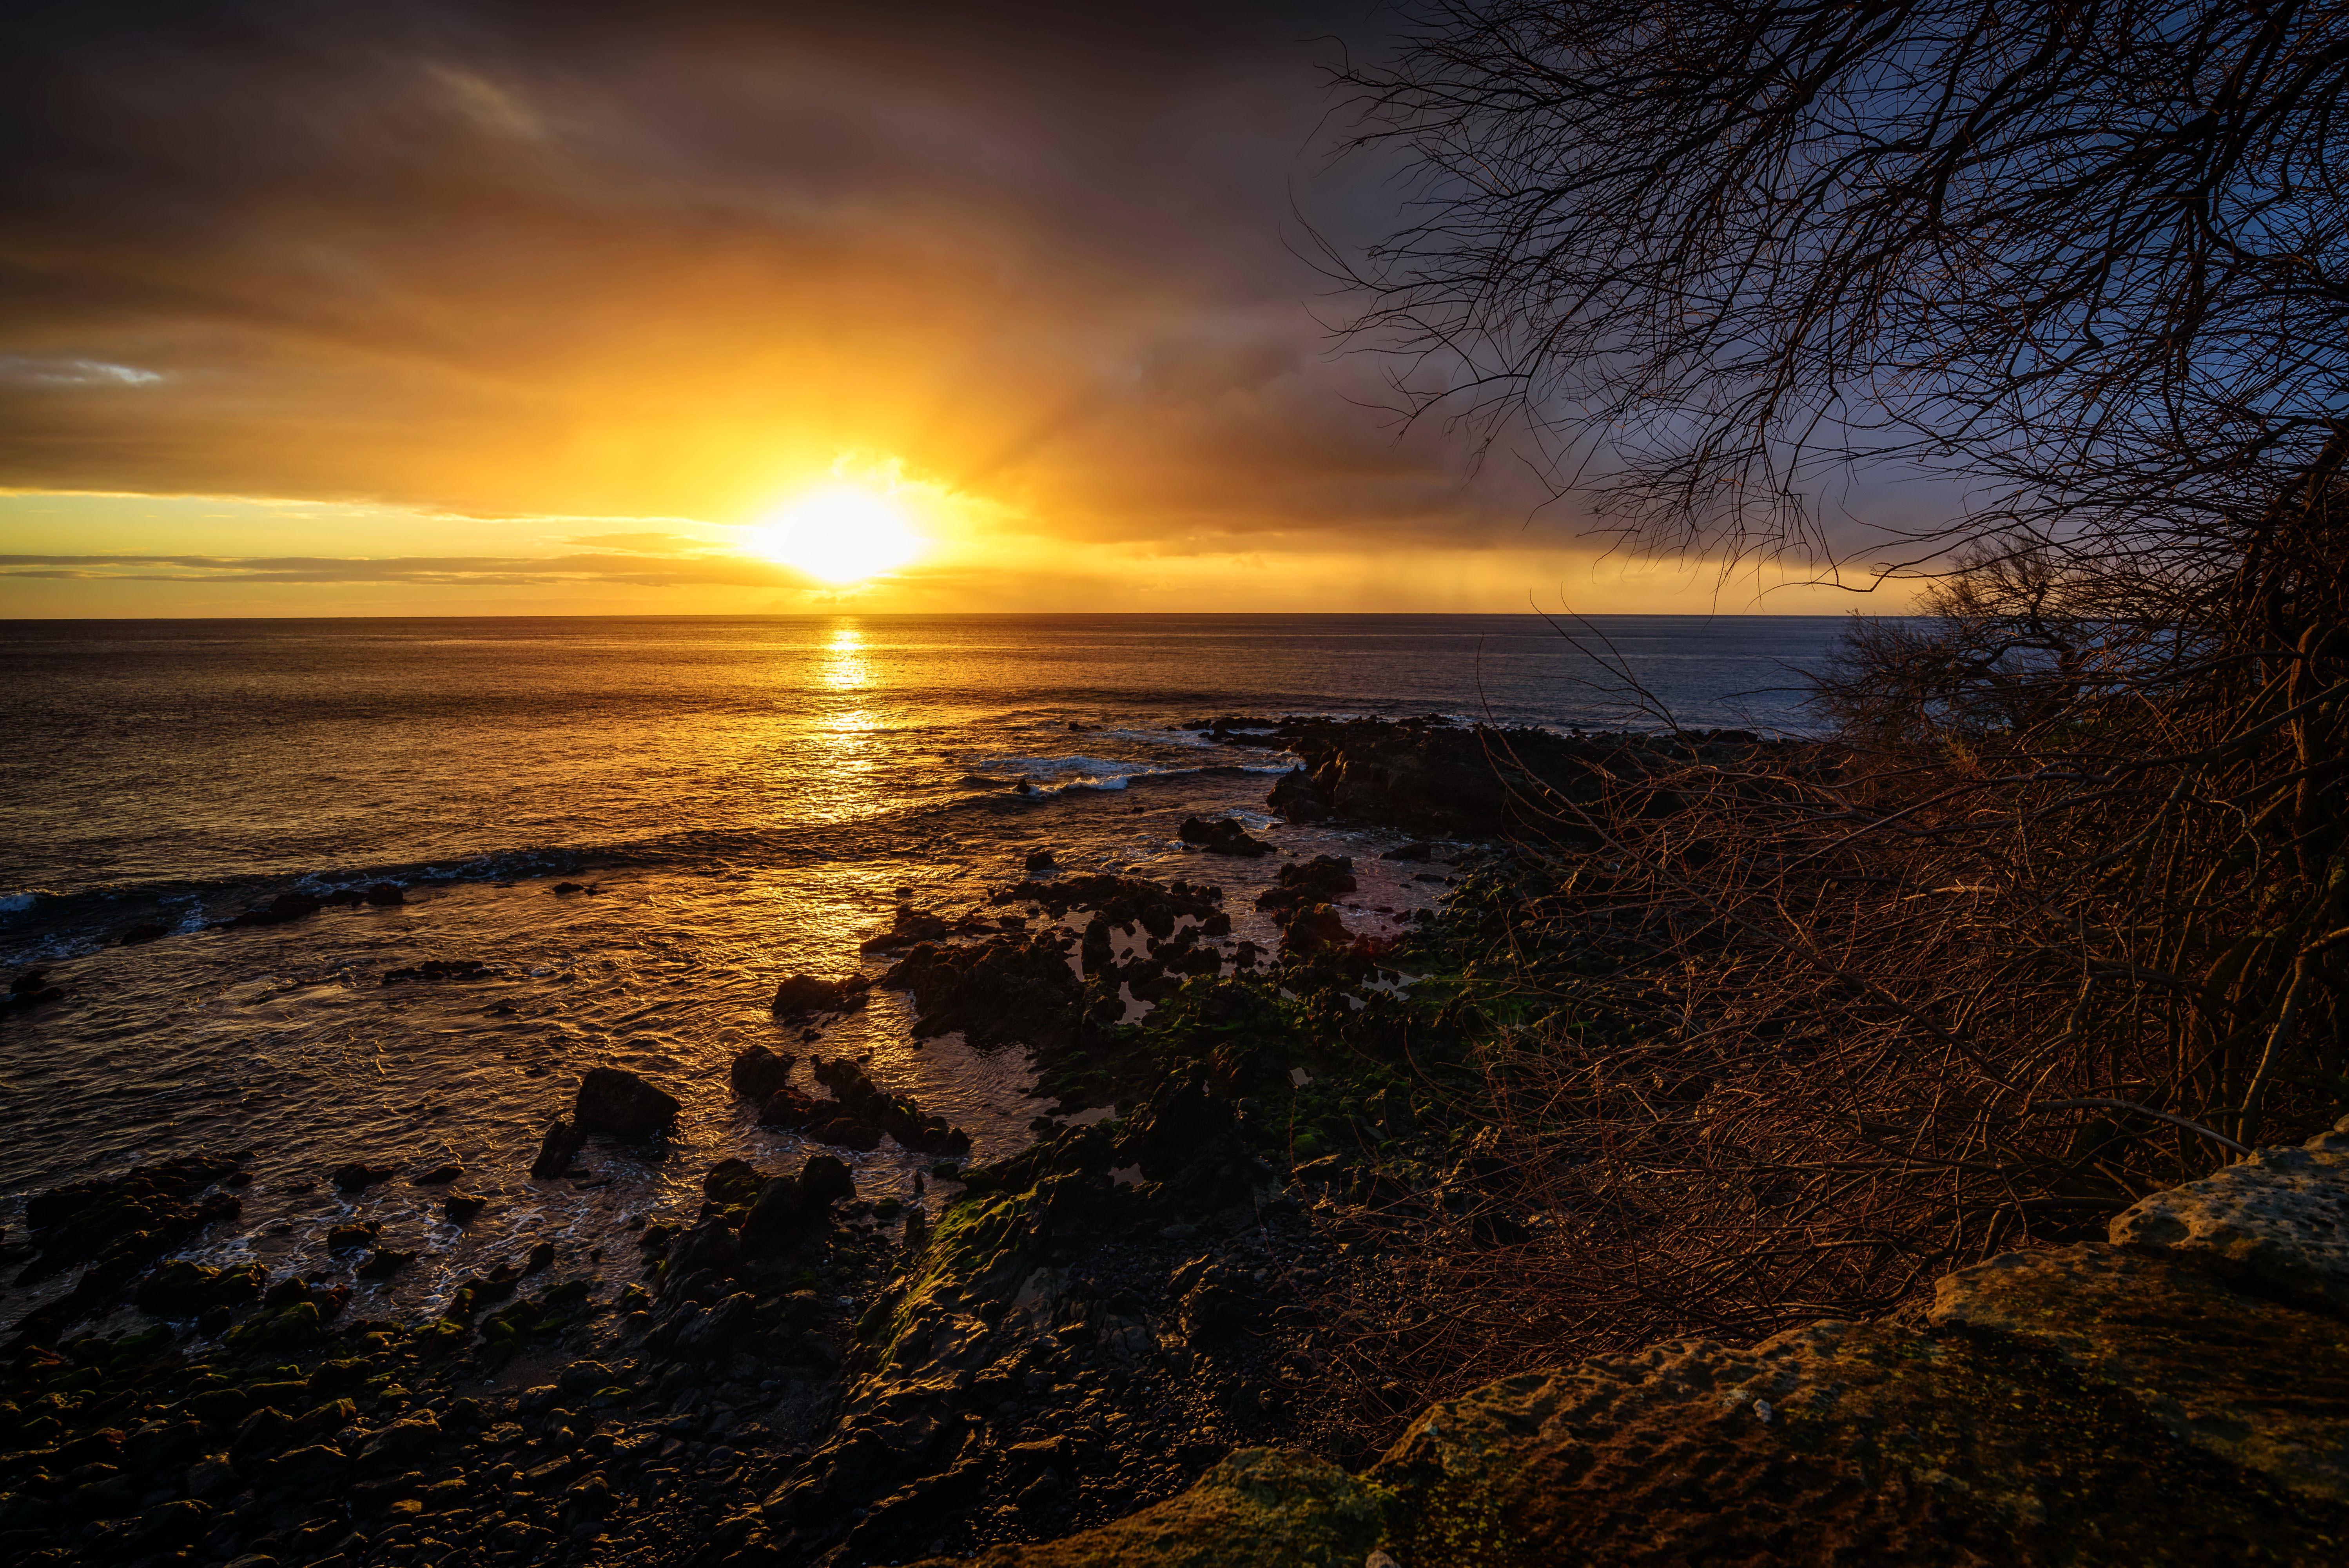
(840, 535)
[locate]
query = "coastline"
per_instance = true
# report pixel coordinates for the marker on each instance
(1143, 1276)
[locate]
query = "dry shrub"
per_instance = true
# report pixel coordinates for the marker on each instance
(2057, 915)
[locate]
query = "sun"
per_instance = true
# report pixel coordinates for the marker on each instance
(843, 535)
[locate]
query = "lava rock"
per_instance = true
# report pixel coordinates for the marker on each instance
(792, 1110)
(803, 996)
(788, 1206)
(867, 1103)
(1225, 836)
(31, 988)
(185, 1289)
(1011, 990)
(460, 1207)
(616, 1101)
(907, 926)
(1317, 881)
(757, 1073)
(353, 1237)
(556, 1150)
(1317, 928)
(358, 1174)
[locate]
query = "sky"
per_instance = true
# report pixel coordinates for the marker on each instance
(314, 308)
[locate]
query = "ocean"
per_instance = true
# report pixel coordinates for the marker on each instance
(743, 799)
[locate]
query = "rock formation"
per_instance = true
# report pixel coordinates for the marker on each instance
(2178, 1393)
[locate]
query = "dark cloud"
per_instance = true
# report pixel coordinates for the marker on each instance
(652, 260)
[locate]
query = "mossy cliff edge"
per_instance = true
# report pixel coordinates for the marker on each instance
(2176, 1394)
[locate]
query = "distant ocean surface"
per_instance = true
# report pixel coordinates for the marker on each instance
(749, 797)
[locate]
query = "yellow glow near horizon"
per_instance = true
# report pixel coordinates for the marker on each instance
(843, 535)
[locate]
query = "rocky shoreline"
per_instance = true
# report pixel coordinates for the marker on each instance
(1086, 1329)
(1124, 1343)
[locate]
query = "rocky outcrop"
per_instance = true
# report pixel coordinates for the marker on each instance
(1431, 776)
(556, 1150)
(803, 996)
(2278, 1219)
(2178, 1393)
(757, 1072)
(1224, 836)
(616, 1101)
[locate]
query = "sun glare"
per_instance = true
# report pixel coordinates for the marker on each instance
(841, 535)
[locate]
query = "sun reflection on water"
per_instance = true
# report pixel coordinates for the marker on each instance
(844, 667)
(844, 737)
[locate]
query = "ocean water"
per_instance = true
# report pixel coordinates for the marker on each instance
(749, 798)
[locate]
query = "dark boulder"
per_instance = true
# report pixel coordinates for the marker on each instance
(184, 1289)
(354, 1237)
(32, 988)
(1190, 1142)
(119, 1225)
(758, 1073)
(867, 1103)
(145, 931)
(789, 1109)
(384, 1263)
(460, 1207)
(844, 1131)
(803, 996)
(556, 1150)
(616, 1101)
(788, 1206)
(1317, 881)
(729, 1185)
(1225, 836)
(907, 926)
(439, 1176)
(352, 1177)
(707, 1334)
(1015, 989)
(385, 895)
(1040, 862)
(1316, 928)
(713, 1244)
(1431, 776)
(1294, 798)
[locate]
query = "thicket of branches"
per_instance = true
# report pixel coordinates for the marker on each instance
(2059, 911)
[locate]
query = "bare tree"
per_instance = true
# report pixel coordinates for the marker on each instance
(2058, 912)
(2092, 253)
